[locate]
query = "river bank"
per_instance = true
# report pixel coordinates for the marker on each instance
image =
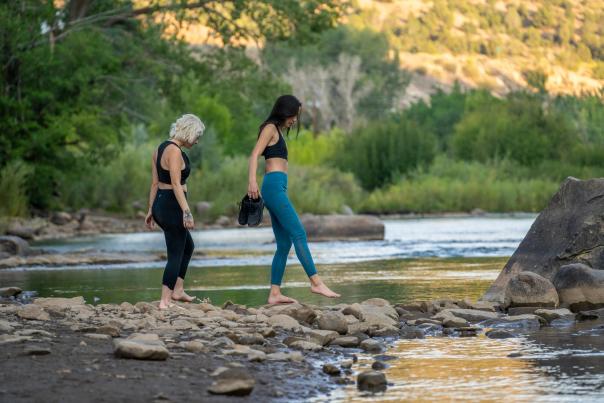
(69, 349)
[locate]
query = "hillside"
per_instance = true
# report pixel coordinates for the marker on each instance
(495, 44)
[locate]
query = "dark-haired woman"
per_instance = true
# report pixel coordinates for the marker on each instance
(286, 225)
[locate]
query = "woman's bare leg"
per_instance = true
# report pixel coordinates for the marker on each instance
(166, 297)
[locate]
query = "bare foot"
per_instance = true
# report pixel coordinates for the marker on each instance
(164, 305)
(280, 299)
(322, 289)
(182, 297)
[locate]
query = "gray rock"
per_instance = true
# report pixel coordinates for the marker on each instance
(36, 350)
(471, 315)
(519, 321)
(379, 366)
(5, 326)
(33, 312)
(195, 346)
(345, 341)
(372, 381)
(591, 315)
(233, 382)
(411, 332)
(283, 356)
(567, 231)
(60, 304)
(13, 245)
(318, 336)
(342, 227)
(372, 346)
(530, 289)
(9, 291)
(97, 336)
(580, 287)
(305, 346)
(331, 369)
(60, 218)
(284, 321)
(248, 339)
(222, 342)
(522, 310)
(333, 321)
(553, 314)
(108, 330)
(499, 334)
(383, 331)
(141, 347)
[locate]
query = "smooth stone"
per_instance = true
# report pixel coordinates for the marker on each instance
(522, 310)
(499, 334)
(318, 336)
(331, 369)
(233, 382)
(378, 366)
(36, 350)
(283, 356)
(591, 315)
(372, 346)
(411, 332)
(372, 381)
(345, 341)
(580, 287)
(530, 289)
(195, 346)
(141, 347)
(346, 364)
(472, 315)
(34, 332)
(97, 336)
(333, 321)
(284, 321)
(33, 312)
(553, 314)
(108, 330)
(305, 346)
(7, 292)
(8, 338)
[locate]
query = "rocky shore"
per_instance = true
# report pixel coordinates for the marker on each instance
(72, 350)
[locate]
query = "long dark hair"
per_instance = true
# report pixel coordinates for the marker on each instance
(285, 107)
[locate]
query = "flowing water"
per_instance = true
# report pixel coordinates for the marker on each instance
(418, 260)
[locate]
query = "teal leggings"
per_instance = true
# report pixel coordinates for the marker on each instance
(286, 225)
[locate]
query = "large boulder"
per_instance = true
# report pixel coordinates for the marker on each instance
(580, 287)
(333, 321)
(530, 289)
(568, 230)
(349, 227)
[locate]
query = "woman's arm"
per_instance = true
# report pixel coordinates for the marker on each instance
(268, 132)
(152, 192)
(175, 161)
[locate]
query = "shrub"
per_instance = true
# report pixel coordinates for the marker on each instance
(382, 151)
(13, 185)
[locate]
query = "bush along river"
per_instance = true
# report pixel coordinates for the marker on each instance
(408, 326)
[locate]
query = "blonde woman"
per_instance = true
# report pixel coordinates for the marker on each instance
(168, 207)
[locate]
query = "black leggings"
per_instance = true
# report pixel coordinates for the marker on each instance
(168, 215)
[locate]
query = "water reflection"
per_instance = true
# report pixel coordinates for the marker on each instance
(565, 365)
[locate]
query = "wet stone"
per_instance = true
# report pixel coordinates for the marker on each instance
(36, 350)
(372, 381)
(331, 369)
(379, 365)
(499, 334)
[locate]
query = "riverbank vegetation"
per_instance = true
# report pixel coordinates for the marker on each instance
(90, 88)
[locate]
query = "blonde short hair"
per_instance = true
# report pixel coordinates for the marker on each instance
(187, 128)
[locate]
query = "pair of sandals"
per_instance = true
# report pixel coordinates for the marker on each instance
(250, 211)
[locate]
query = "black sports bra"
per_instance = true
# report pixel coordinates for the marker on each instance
(163, 174)
(277, 150)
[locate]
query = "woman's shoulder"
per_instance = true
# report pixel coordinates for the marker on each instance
(270, 129)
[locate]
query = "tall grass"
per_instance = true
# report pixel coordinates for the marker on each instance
(458, 186)
(13, 185)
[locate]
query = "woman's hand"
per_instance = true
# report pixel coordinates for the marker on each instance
(252, 190)
(149, 222)
(187, 220)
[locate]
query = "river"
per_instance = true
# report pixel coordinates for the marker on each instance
(419, 259)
